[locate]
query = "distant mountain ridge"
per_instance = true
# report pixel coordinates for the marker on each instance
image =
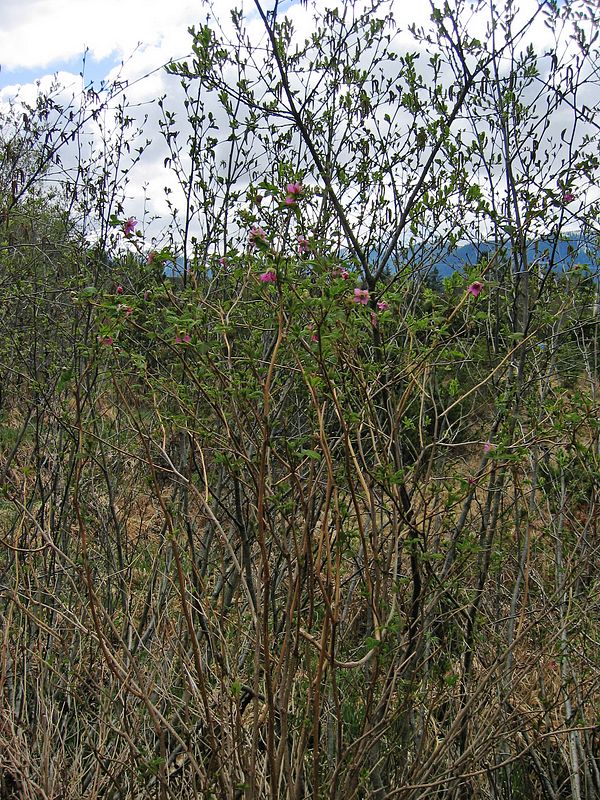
(573, 249)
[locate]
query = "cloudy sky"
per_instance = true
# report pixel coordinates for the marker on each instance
(42, 36)
(126, 39)
(132, 40)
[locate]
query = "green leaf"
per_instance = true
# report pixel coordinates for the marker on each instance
(311, 454)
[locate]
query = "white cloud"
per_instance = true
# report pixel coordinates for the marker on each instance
(40, 33)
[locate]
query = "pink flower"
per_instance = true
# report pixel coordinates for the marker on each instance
(361, 296)
(106, 340)
(344, 274)
(119, 290)
(223, 261)
(129, 226)
(268, 277)
(303, 245)
(475, 288)
(488, 447)
(184, 338)
(568, 197)
(128, 311)
(293, 191)
(256, 232)
(382, 305)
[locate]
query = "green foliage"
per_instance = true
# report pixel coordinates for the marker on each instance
(283, 511)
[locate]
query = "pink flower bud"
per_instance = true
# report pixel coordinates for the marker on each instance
(256, 232)
(303, 245)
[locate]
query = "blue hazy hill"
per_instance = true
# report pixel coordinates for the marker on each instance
(564, 254)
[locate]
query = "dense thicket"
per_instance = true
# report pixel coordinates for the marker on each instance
(283, 512)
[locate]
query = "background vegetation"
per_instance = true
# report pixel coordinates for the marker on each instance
(283, 512)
